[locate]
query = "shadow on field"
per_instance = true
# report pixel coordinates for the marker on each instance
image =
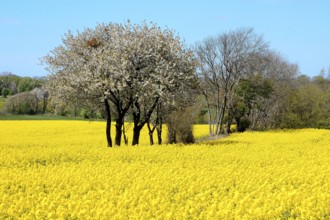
(216, 140)
(219, 142)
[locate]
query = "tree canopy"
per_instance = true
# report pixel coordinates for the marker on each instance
(126, 66)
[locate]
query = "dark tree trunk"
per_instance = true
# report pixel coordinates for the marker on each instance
(124, 134)
(238, 123)
(108, 127)
(228, 127)
(151, 132)
(121, 112)
(151, 138)
(208, 113)
(119, 125)
(136, 135)
(159, 133)
(222, 115)
(136, 128)
(159, 122)
(139, 121)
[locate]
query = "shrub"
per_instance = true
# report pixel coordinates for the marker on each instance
(21, 103)
(180, 126)
(243, 125)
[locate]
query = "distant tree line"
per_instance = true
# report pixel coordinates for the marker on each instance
(24, 94)
(11, 84)
(307, 103)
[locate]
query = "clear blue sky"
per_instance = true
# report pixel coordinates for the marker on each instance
(297, 29)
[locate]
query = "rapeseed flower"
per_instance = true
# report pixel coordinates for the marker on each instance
(63, 170)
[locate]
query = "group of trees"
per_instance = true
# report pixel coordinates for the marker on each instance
(136, 69)
(245, 82)
(307, 103)
(146, 75)
(224, 61)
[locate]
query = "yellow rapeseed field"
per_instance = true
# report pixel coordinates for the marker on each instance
(63, 170)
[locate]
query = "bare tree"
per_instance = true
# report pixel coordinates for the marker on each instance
(281, 73)
(224, 60)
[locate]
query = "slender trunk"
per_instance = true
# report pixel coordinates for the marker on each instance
(151, 138)
(213, 127)
(119, 125)
(209, 114)
(159, 133)
(136, 128)
(108, 127)
(218, 119)
(217, 113)
(228, 127)
(151, 132)
(221, 118)
(222, 115)
(124, 134)
(209, 120)
(159, 123)
(136, 135)
(217, 122)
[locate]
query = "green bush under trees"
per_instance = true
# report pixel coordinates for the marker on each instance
(33, 102)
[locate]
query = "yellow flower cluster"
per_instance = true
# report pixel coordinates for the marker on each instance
(63, 170)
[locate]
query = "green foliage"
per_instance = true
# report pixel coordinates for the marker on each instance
(2, 102)
(180, 126)
(5, 92)
(22, 103)
(249, 96)
(32, 102)
(90, 113)
(200, 119)
(85, 113)
(26, 84)
(11, 84)
(308, 104)
(243, 125)
(305, 103)
(253, 87)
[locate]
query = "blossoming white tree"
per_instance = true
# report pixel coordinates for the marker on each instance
(125, 66)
